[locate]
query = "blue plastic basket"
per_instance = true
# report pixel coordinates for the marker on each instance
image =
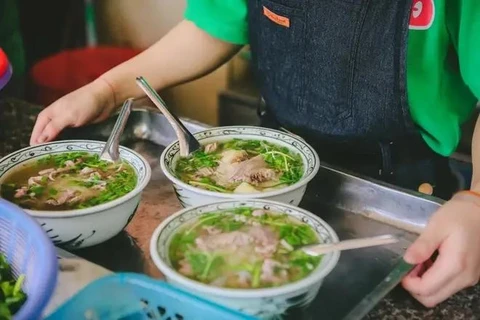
(30, 252)
(133, 296)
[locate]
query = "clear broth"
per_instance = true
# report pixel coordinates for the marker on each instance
(244, 248)
(67, 181)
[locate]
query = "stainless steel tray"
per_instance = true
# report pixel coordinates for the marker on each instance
(353, 206)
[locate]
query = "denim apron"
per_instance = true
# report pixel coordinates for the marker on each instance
(334, 67)
(335, 70)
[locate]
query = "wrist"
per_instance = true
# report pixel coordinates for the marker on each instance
(105, 92)
(470, 195)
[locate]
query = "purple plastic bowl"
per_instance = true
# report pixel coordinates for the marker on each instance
(30, 252)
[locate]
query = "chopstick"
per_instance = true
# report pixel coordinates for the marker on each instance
(320, 249)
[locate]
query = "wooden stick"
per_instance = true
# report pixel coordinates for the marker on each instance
(315, 250)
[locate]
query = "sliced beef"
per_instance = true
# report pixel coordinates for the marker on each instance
(46, 172)
(34, 181)
(233, 156)
(69, 163)
(185, 268)
(211, 230)
(211, 147)
(62, 197)
(100, 185)
(229, 240)
(205, 172)
(266, 241)
(261, 175)
(22, 192)
(86, 171)
(268, 271)
(252, 171)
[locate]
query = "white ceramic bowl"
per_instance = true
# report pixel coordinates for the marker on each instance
(191, 196)
(264, 303)
(83, 227)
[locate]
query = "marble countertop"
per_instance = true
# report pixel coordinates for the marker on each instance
(16, 122)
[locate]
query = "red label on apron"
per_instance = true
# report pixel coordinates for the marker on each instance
(423, 14)
(278, 19)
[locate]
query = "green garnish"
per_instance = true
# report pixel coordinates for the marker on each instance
(37, 190)
(11, 295)
(257, 269)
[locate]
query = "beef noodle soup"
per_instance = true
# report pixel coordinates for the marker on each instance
(241, 166)
(244, 248)
(68, 181)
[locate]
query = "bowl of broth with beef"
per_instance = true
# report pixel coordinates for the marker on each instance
(241, 162)
(78, 198)
(243, 254)
(68, 181)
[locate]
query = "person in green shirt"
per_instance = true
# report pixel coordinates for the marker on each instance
(378, 87)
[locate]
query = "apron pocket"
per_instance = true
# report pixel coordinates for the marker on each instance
(280, 50)
(332, 35)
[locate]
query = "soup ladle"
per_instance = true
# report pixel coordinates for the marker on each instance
(319, 249)
(188, 143)
(111, 151)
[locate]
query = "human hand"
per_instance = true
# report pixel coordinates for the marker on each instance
(89, 104)
(454, 230)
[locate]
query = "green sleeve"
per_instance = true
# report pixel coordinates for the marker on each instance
(463, 22)
(222, 19)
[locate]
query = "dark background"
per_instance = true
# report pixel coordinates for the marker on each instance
(46, 27)
(50, 26)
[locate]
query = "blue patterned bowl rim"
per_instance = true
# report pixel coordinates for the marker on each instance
(162, 236)
(310, 157)
(139, 163)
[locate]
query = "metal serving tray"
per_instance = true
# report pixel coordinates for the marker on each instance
(353, 206)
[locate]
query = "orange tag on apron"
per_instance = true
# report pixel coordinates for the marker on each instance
(283, 21)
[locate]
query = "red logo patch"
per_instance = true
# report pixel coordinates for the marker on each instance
(278, 19)
(423, 14)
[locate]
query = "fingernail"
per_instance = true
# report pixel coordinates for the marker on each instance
(42, 138)
(411, 256)
(408, 258)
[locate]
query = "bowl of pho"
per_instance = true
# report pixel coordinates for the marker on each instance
(242, 254)
(79, 199)
(241, 162)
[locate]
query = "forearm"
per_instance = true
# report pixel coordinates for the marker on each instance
(476, 157)
(184, 54)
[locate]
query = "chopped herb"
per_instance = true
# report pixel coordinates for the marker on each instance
(37, 190)
(257, 269)
(11, 295)
(199, 262)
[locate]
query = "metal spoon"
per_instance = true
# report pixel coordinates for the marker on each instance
(111, 151)
(188, 143)
(319, 249)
